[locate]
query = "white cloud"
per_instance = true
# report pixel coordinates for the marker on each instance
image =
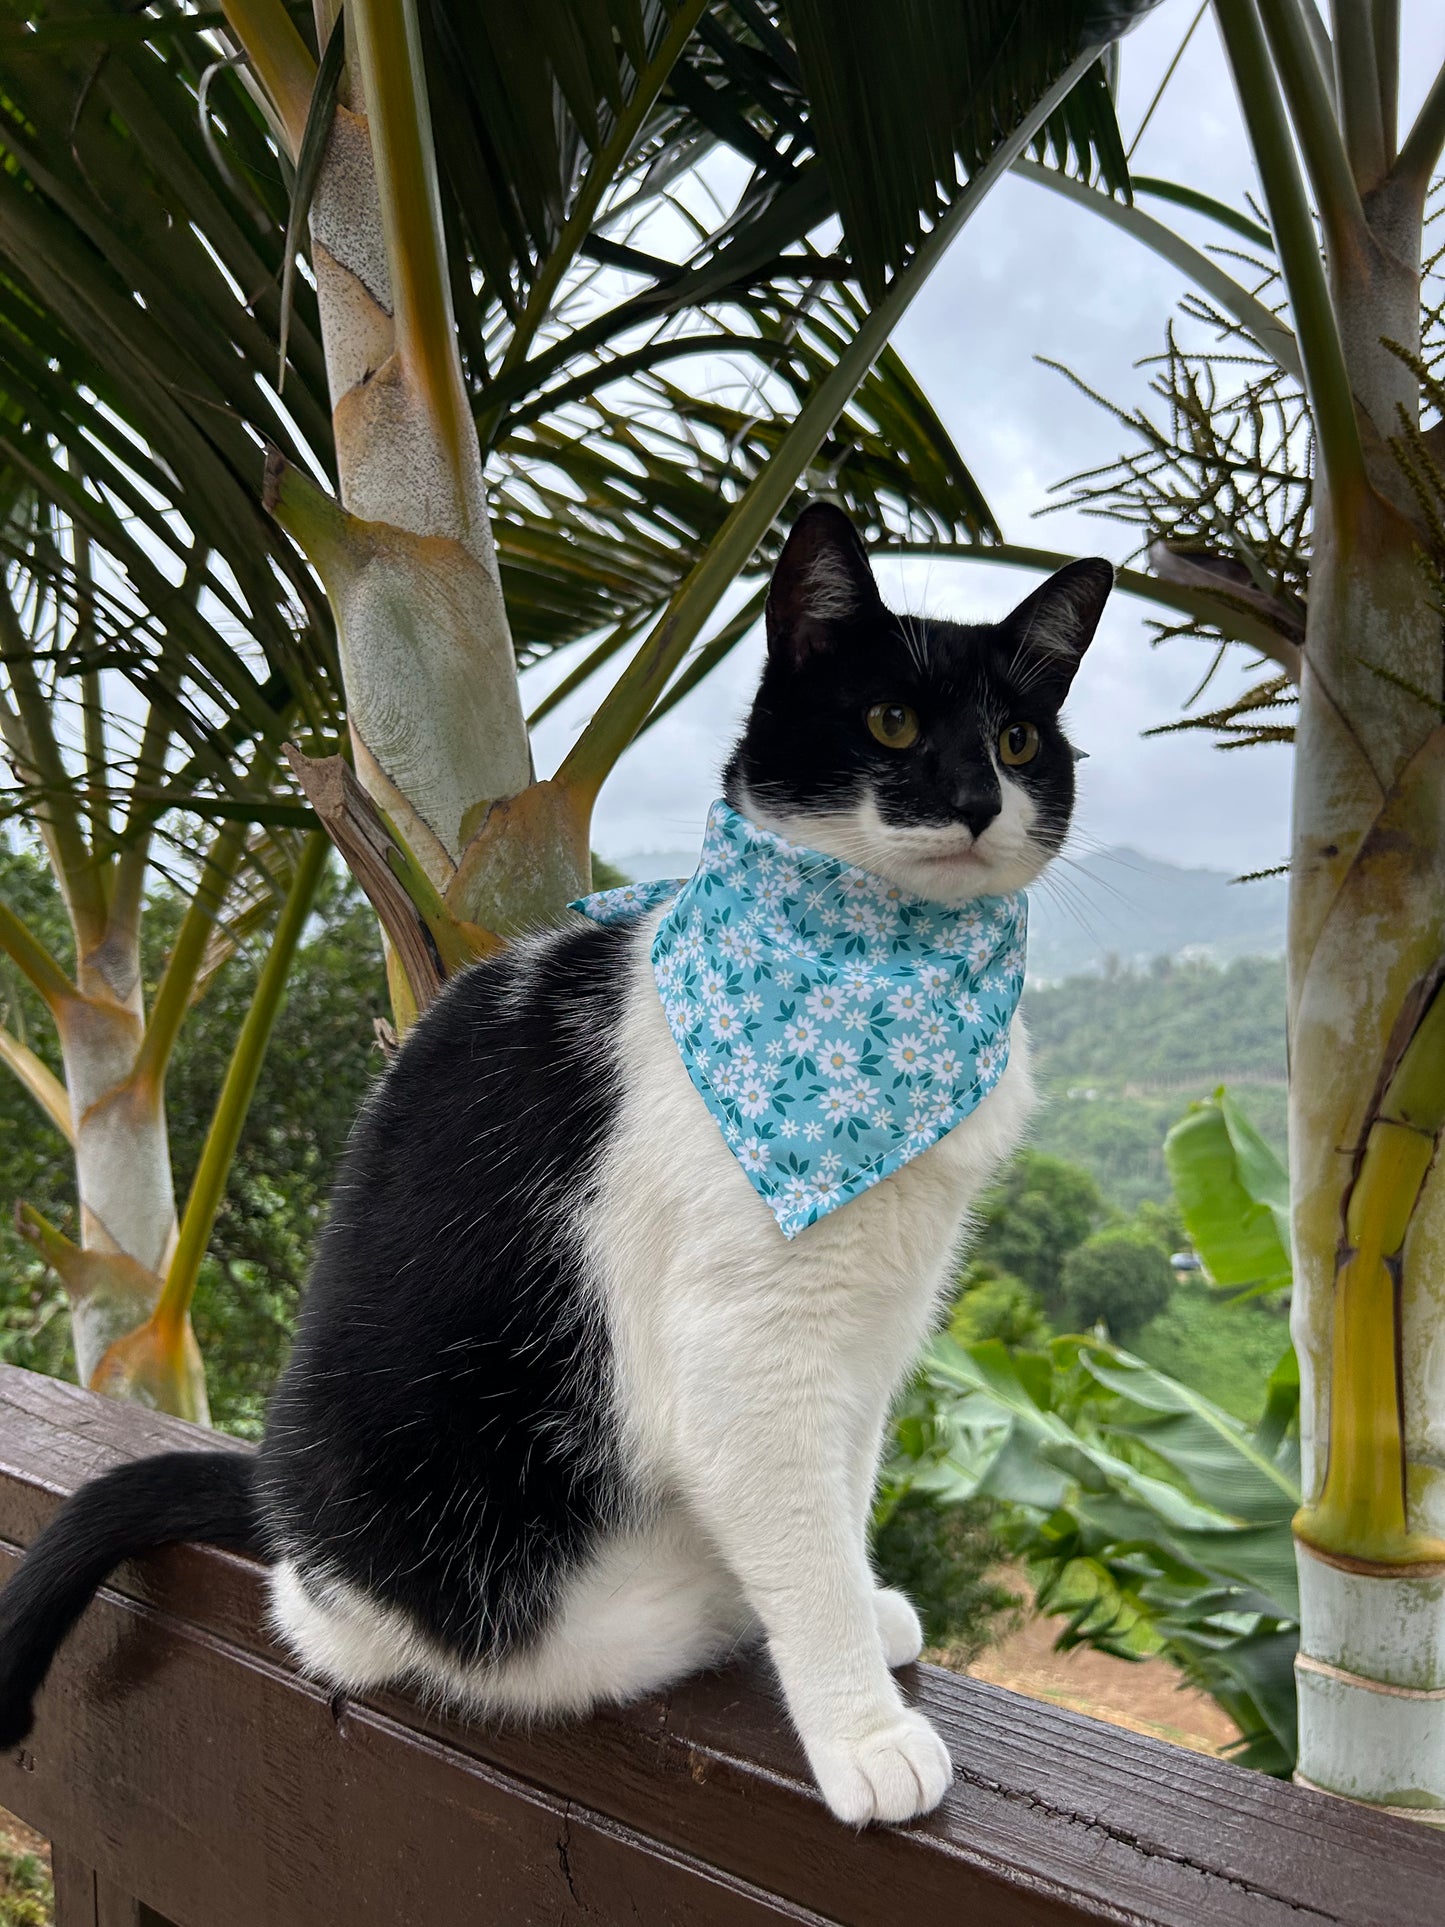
(1033, 276)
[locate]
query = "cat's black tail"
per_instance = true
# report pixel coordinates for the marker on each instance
(134, 1508)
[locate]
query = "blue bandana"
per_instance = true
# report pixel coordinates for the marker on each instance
(834, 1026)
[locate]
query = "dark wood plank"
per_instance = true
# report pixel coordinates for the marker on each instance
(75, 1896)
(179, 1755)
(223, 1789)
(83, 1898)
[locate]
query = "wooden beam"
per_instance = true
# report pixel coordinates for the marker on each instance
(178, 1755)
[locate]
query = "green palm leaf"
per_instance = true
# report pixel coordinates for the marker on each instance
(143, 255)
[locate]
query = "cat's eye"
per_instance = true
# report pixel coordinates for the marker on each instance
(894, 725)
(1019, 743)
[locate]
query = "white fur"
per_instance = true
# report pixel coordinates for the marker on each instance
(833, 592)
(753, 1378)
(1064, 613)
(941, 862)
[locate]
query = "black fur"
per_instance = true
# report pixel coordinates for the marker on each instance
(134, 1508)
(442, 1437)
(807, 744)
(439, 1437)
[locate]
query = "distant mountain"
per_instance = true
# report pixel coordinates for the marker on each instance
(1117, 904)
(1132, 908)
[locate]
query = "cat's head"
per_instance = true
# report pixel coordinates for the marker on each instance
(929, 753)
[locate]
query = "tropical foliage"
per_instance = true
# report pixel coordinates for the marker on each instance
(1119, 1277)
(323, 1056)
(1295, 466)
(525, 238)
(1149, 1518)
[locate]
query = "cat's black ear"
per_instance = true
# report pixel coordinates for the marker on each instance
(1050, 630)
(821, 585)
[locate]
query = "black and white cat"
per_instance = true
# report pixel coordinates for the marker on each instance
(568, 1417)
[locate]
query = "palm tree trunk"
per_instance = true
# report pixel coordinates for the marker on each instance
(1367, 920)
(432, 699)
(122, 1154)
(1367, 940)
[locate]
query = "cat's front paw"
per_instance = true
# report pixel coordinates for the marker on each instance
(899, 1627)
(901, 1770)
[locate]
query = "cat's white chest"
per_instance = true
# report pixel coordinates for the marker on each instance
(689, 1261)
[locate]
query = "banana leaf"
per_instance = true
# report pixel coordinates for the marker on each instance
(1151, 1521)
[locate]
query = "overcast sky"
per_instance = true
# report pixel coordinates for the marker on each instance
(1032, 275)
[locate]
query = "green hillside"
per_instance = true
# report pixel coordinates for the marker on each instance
(1119, 1057)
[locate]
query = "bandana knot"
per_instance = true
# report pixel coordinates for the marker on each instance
(834, 1026)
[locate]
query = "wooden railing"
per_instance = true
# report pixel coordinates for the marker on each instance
(185, 1774)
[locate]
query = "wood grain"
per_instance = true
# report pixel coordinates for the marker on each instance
(180, 1760)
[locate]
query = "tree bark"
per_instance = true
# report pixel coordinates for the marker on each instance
(1366, 951)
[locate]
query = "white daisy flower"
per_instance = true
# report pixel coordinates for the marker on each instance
(712, 985)
(788, 1127)
(862, 919)
(991, 1060)
(753, 1154)
(906, 1054)
(726, 1022)
(812, 1131)
(906, 1001)
(969, 1008)
(799, 1036)
(824, 1002)
(753, 1097)
(838, 1058)
(946, 1064)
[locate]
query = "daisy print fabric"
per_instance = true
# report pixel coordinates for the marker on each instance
(834, 1026)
